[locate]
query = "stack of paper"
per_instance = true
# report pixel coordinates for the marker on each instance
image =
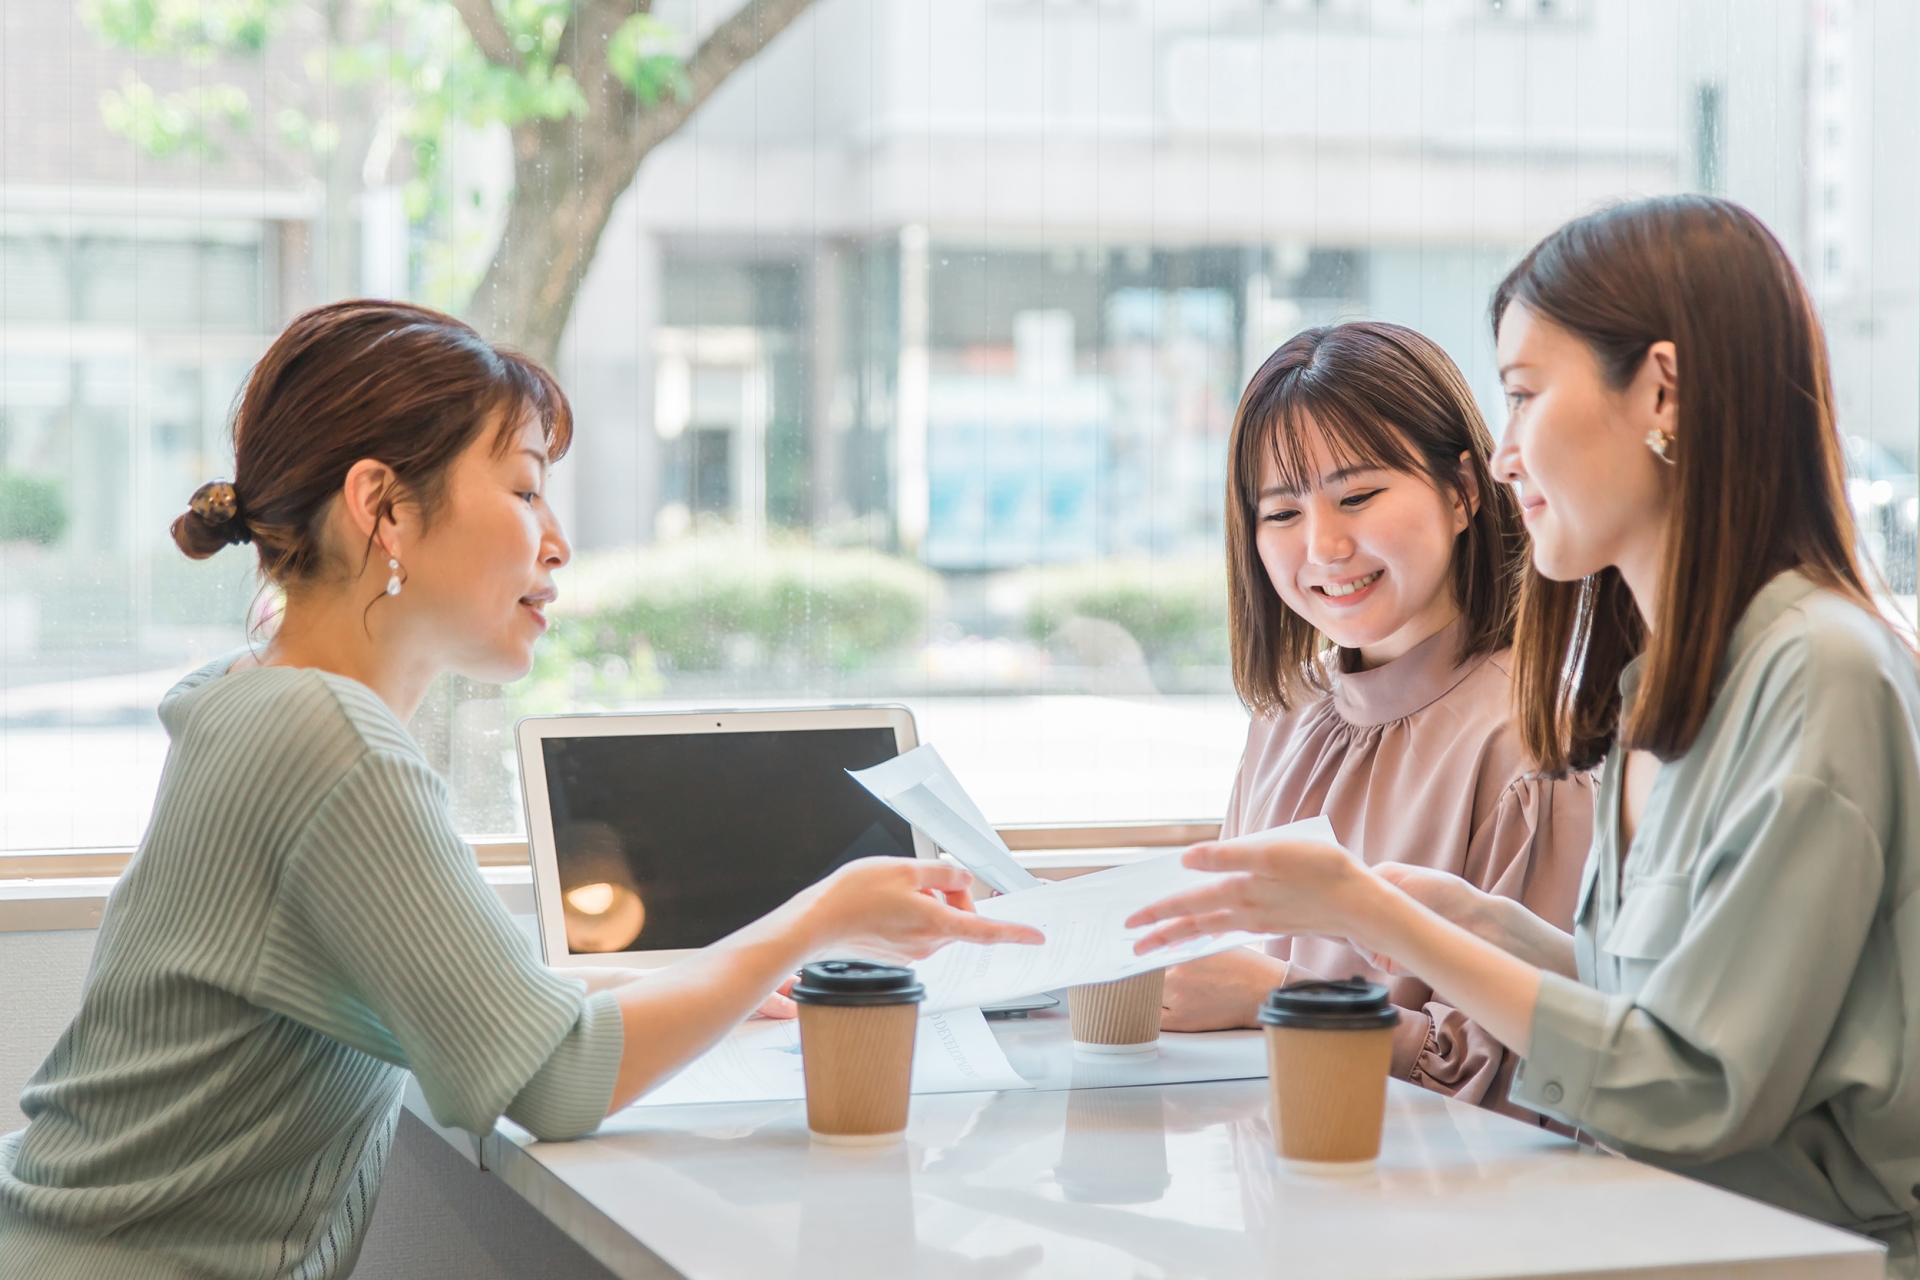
(1087, 940)
(760, 1062)
(1083, 918)
(920, 788)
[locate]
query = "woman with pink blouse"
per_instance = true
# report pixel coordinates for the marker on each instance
(1373, 566)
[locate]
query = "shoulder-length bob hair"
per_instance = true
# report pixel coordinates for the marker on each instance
(1378, 395)
(1757, 481)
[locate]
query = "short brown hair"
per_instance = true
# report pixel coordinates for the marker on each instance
(1757, 478)
(1379, 395)
(397, 383)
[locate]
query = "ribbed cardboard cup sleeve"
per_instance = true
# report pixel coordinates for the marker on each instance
(858, 1063)
(1126, 1012)
(1329, 1093)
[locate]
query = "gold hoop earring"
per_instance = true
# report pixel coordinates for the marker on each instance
(1660, 442)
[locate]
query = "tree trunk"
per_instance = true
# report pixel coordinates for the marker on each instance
(568, 173)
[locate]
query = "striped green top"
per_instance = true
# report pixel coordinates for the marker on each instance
(301, 926)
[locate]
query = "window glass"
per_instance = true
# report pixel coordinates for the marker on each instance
(904, 360)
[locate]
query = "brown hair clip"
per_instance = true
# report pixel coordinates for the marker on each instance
(216, 503)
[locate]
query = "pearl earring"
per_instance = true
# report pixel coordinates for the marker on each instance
(1660, 441)
(393, 582)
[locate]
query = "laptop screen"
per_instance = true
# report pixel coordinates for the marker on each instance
(672, 841)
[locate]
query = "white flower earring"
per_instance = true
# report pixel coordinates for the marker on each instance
(393, 581)
(1660, 441)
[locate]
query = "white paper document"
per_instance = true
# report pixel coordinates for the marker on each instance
(954, 1052)
(920, 788)
(1087, 940)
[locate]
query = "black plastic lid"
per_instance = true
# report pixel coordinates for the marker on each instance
(853, 982)
(1352, 1004)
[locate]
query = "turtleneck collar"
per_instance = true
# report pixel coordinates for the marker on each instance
(1416, 679)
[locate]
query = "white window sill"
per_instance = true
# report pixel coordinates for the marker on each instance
(31, 904)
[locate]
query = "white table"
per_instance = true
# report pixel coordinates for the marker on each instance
(1136, 1180)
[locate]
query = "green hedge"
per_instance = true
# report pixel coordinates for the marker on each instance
(1175, 609)
(31, 510)
(705, 604)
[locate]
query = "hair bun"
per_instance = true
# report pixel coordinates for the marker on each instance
(212, 521)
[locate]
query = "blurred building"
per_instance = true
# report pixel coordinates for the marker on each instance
(977, 281)
(983, 281)
(134, 296)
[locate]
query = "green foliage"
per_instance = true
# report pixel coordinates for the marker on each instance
(161, 124)
(195, 31)
(415, 57)
(1175, 609)
(31, 510)
(443, 77)
(433, 64)
(642, 56)
(709, 603)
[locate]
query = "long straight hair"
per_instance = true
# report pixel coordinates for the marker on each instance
(1758, 481)
(1378, 395)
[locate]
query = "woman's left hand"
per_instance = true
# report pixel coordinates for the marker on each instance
(1271, 886)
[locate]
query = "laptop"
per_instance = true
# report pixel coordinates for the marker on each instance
(653, 835)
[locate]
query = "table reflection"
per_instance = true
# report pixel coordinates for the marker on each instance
(1115, 1147)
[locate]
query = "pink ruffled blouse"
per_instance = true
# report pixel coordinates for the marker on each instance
(1418, 762)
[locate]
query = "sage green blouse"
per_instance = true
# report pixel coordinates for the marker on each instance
(1748, 1010)
(301, 927)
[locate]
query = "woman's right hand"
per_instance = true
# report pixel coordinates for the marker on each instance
(1440, 892)
(1446, 895)
(1488, 916)
(901, 909)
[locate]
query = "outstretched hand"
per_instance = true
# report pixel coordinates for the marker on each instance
(904, 909)
(1441, 892)
(1491, 918)
(1269, 886)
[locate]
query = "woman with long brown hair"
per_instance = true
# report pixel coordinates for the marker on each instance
(1373, 565)
(303, 925)
(1740, 996)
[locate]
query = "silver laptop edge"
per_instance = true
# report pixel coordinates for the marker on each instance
(530, 732)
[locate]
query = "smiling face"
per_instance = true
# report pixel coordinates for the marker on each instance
(1591, 492)
(477, 578)
(1364, 553)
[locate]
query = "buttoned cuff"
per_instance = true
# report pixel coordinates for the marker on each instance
(1570, 1022)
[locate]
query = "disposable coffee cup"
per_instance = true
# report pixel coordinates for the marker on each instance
(1117, 1017)
(1329, 1047)
(857, 1023)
